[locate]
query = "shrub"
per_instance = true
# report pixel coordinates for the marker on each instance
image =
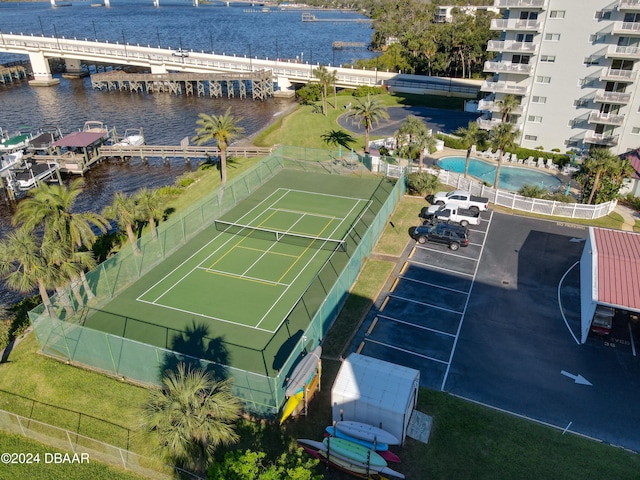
(451, 142)
(4, 334)
(422, 183)
(365, 90)
(310, 93)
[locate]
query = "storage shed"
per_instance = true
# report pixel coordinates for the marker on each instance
(609, 274)
(375, 392)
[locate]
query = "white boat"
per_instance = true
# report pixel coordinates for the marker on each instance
(95, 126)
(367, 432)
(31, 176)
(19, 141)
(133, 137)
(10, 161)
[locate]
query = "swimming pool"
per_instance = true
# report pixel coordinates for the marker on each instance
(511, 178)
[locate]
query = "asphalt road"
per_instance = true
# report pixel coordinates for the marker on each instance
(496, 323)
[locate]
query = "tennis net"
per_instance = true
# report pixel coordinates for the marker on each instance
(307, 241)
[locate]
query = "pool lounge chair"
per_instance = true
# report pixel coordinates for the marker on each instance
(540, 163)
(551, 165)
(530, 161)
(487, 153)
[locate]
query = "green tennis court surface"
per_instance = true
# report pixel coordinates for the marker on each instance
(231, 289)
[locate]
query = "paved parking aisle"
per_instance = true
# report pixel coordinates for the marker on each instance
(417, 320)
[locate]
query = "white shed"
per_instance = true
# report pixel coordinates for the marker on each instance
(375, 392)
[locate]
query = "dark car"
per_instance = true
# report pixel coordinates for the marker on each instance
(454, 236)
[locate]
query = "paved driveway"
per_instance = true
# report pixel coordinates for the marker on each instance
(495, 323)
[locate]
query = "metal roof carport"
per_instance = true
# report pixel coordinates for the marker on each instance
(609, 273)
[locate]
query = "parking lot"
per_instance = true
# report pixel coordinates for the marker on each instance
(495, 323)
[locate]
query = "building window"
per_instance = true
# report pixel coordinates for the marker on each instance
(635, 130)
(556, 14)
(552, 37)
(603, 15)
(547, 58)
(521, 59)
(533, 138)
(538, 99)
(542, 79)
(534, 119)
(592, 61)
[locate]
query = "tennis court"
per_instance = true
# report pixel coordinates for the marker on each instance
(231, 290)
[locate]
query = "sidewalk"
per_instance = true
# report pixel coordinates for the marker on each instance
(630, 217)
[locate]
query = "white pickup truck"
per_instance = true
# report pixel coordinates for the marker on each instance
(461, 199)
(447, 213)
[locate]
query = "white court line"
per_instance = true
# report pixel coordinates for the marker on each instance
(466, 304)
(435, 285)
(270, 248)
(421, 327)
(301, 271)
(286, 210)
(190, 257)
(427, 304)
(405, 350)
(243, 277)
(327, 195)
(206, 316)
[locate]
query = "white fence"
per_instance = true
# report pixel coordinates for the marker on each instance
(507, 199)
(85, 447)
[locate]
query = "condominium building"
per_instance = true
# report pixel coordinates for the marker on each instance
(573, 65)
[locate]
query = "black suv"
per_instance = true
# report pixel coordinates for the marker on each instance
(454, 236)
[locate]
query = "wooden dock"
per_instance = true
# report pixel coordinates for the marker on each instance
(77, 164)
(258, 83)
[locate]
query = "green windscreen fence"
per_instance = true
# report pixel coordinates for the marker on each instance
(60, 328)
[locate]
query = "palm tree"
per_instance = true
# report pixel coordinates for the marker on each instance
(333, 80)
(502, 137)
(412, 126)
(599, 161)
(469, 136)
(51, 206)
(507, 105)
(23, 266)
(224, 129)
(150, 204)
(192, 414)
(323, 76)
(368, 113)
(337, 138)
(126, 212)
(424, 141)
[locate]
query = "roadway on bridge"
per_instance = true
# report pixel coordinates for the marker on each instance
(437, 119)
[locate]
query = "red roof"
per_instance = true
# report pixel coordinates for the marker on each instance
(79, 139)
(634, 160)
(618, 267)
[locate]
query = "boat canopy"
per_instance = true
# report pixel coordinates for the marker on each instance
(79, 139)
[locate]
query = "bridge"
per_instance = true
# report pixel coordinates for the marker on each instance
(284, 73)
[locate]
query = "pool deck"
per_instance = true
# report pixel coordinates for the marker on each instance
(432, 161)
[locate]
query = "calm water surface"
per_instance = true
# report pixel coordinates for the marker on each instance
(165, 119)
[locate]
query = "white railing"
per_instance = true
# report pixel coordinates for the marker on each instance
(603, 96)
(508, 199)
(511, 46)
(626, 28)
(507, 67)
(504, 87)
(629, 5)
(514, 24)
(601, 138)
(623, 52)
(618, 74)
(607, 118)
(519, 3)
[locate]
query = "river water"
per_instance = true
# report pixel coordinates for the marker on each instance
(236, 29)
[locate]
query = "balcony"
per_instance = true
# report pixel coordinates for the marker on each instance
(633, 5)
(504, 24)
(504, 87)
(512, 46)
(520, 3)
(617, 75)
(601, 139)
(491, 106)
(614, 51)
(615, 119)
(508, 67)
(617, 98)
(626, 28)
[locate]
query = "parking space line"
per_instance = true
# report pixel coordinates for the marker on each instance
(404, 268)
(442, 268)
(466, 303)
(455, 290)
(384, 303)
(395, 283)
(405, 350)
(397, 320)
(444, 252)
(426, 304)
(566, 322)
(633, 342)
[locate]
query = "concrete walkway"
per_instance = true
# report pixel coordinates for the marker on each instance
(629, 215)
